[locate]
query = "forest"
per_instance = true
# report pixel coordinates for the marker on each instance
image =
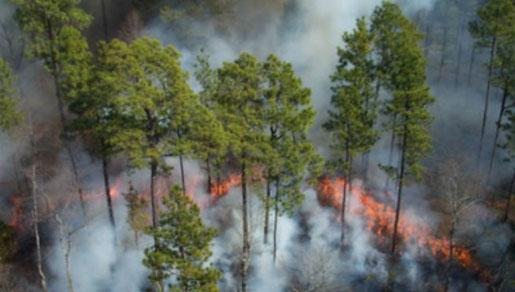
(257, 145)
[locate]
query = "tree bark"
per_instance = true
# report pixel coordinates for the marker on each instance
(508, 201)
(105, 167)
(35, 209)
(104, 20)
(399, 191)
(209, 178)
(347, 189)
(267, 208)
(245, 261)
(153, 203)
(390, 157)
(276, 216)
(183, 179)
(487, 95)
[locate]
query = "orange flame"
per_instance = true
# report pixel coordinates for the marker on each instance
(114, 190)
(379, 220)
(219, 190)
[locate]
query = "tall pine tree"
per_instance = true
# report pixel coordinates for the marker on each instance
(241, 107)
(408, 108)
(350, 121)
(288, 116)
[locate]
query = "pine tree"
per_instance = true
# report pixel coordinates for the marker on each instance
(211, 141)
(409, 106)
(496, 18)
(239, 101)
(387, 21)
(288, 116)
(154, 105)
(90, 95)
(350, 122)
(184, 249)
(50, 24)
(9, 115)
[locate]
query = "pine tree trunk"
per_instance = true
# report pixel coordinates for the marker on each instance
(35, 219)
(508, 201)
(245, 260)
(344, 196)
(183, 179)
(209, 179)
(497, 130)
(471, 65)
(105, 166)
(427, 41)
(442, 58)
(35, 210)
(487, 95)
(104, 20)
(390, 156)
(399, 191)
(458, 67)
(347, 188)
(153, 203)
(267, 208)
(276, 216)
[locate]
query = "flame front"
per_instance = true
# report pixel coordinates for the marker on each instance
(220, 189)
(379, 220)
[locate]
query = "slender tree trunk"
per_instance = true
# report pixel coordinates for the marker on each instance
(497, 130)
(35, 209)
(209, 179)
(508, 201)
(458, 67)
(104, 20)
(427, 40)
(390, 157)
(276, 216)
(442, 58)
(64, 239)
(267, 207)
(399, 191)
(183, 179)
(105, 167)
(487, 95)
(347, 188)
(471, 65)
(153, 203)
(245, 259)
(35, 219)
